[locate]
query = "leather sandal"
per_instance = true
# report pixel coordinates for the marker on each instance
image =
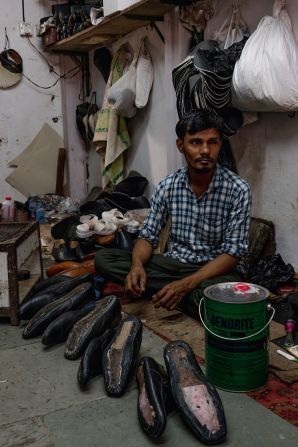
(91, 362)
(37, 325)
(196, 399)
(107, 313)
(155, 399)
(120, 357)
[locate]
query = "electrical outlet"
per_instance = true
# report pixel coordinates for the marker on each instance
(25, 29)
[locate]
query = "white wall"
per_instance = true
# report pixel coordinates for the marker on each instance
(24, 108)
(266, 152)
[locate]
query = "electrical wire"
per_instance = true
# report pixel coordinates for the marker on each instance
(65, 76)
(52, 70)
(51, 67)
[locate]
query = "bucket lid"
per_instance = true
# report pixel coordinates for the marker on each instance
(236, 292)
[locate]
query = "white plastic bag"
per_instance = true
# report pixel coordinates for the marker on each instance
(122, 94)
(232, 30)
(265, 77)
(144, 77)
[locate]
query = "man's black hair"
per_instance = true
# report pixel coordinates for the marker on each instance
(198, 120)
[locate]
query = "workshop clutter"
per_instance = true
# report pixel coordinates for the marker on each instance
(81, 313)
(68, 19)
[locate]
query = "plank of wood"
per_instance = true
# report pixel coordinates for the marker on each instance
(115, 26)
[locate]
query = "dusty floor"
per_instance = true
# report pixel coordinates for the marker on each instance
(42, 405)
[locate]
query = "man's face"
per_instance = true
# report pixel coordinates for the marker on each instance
(201, 149)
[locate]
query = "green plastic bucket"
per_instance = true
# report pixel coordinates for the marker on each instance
(236, 325)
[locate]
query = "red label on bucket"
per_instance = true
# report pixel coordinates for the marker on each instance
(241, 287)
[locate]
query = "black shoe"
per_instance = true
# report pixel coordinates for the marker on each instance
(155, 399)
(70, 251)
(59, 329)
(196, 399)
(120, 357)
(66, 228)
(107, 313)
(79, 295)
(43, 285)
(49, 294)
(134, 185)
(91, 362)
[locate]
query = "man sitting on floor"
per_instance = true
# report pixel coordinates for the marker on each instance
(209, 210)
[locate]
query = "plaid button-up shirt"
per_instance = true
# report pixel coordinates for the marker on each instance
(201, 228)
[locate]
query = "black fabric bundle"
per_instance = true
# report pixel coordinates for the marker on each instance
(203, 79)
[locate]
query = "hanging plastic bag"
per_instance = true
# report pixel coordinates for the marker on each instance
(122, 94)
(233, 30)
(265, 77)
(144, 77)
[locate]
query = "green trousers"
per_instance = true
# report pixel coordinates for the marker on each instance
(161, 270)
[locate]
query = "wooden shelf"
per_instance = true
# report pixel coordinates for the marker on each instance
(114, 26)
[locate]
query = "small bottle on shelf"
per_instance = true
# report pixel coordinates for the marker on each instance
(8, 209)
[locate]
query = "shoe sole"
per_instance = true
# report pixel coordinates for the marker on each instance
(106, 314)
(120, 357)
(151, 399)
(196, 399)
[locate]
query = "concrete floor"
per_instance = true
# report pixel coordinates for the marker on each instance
(42, 406)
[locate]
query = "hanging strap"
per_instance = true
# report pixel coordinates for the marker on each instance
(7, 43)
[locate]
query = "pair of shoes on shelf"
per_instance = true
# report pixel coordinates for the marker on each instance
(185, 384)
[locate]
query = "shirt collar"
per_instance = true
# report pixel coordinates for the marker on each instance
(216, 181)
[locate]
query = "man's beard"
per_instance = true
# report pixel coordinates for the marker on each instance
(204, 169)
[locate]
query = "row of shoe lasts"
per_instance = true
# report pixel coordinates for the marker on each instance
(108, 224)
(64, 309)
(61, 309)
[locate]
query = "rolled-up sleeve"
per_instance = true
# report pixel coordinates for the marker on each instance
(157, 217)
(235, 241)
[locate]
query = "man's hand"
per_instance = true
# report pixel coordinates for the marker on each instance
(135, 283)
(170, 296)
